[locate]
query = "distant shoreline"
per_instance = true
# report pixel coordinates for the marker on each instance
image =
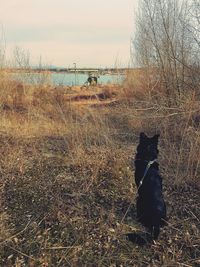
(99, 71)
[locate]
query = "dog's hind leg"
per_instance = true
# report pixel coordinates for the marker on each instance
(155, 232)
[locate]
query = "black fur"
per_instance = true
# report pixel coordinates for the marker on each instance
(151, 208)
(92, 80)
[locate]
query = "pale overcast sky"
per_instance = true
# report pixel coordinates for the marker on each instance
(88, 32)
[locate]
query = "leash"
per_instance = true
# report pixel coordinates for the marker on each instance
(145, 172)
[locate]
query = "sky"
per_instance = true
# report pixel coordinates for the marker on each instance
(62, 32)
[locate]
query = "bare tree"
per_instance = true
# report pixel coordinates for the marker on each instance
(167, 39)
(2, 48)
(21, 58)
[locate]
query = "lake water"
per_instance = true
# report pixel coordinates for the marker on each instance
(66, 79)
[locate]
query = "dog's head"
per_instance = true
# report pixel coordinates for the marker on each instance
(148, 147)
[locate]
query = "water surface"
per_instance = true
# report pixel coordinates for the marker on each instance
(65, 79)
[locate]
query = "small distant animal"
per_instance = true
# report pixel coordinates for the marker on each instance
(150, 204)
(92, 80)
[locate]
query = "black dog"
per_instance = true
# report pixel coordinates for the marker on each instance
(151, 208)
(92, 80)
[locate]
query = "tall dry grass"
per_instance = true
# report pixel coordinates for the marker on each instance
(179, 125)
(66, 189)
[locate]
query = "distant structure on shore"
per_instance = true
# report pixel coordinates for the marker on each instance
(97, 71)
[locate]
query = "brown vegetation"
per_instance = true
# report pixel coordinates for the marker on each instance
(67, 187)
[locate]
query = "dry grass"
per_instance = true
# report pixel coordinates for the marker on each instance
(67, 188)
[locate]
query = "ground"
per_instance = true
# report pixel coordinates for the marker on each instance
(67, 186)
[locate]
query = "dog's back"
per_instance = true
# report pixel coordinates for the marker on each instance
(151, 209)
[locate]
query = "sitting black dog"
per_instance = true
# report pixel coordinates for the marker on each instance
(151, 208)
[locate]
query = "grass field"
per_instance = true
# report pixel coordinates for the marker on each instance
(67, 189)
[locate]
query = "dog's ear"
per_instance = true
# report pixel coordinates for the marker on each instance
(143, 137)
(155, 138)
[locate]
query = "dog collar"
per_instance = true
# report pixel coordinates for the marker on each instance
(145, 172)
